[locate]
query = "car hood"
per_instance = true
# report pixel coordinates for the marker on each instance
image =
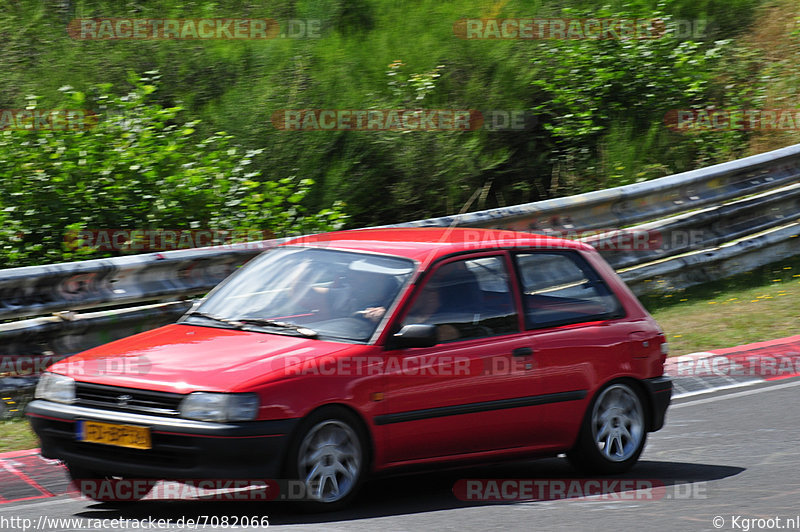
(185, 358)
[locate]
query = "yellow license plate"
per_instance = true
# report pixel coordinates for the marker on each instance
(113, 434)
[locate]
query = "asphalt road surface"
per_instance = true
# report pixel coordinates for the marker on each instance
(728, 460)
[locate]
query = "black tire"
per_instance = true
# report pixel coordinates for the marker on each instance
(105, 488)
(329, 455)
(613, 432)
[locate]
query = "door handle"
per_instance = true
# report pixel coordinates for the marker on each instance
(522, 352)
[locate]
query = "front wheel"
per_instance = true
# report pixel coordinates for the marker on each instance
(329, 457)
(613, 433)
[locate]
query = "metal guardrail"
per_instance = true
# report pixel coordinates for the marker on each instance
(171, 275)
(684, 217)
(67, 333)
(714, 264)
(701, 229)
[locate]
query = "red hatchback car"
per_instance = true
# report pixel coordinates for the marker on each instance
(340, 355)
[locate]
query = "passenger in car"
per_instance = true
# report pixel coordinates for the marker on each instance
(372, 293)
(425, 310)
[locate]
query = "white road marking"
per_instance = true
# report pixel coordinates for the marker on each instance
(709, 390)
(737, 394)
(47, 502)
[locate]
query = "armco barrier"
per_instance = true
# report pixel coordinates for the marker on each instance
(705, 228)
(755, 200)
(151, 277)
(714, 264)
(68, 333)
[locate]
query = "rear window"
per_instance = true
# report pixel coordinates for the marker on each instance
(561, 288)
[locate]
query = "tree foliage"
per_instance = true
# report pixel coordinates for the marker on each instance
(158, 159)
(142, 166)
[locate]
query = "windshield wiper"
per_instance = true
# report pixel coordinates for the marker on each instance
(238, 324)
(305, 331)
(220, 319)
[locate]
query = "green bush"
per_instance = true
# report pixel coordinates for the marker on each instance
(600, 108)
(141, 167)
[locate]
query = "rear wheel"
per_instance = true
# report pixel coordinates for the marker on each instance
(329, 457)
(613, 433)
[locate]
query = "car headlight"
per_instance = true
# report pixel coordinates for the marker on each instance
(55, 387)
(205, 406)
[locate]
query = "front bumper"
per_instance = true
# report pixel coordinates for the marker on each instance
(181, 448)
(659, 391)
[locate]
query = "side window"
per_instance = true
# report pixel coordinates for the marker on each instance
(561, 288)
(466, 299)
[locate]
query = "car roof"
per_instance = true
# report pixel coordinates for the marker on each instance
(426, 244)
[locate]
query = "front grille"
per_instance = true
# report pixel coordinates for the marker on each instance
(128, 399)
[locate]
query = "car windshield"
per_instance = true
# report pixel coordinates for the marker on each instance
(308, 292)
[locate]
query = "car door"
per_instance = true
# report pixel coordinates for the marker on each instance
(572, 317)
(463, 394)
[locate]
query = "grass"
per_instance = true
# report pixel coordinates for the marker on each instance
(16, 434)
(752, 307)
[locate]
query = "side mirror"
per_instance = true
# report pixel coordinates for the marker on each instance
(415, 335)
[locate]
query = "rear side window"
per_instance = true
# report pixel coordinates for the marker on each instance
(561, 288)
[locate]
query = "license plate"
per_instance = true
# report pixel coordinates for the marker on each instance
(113, 434)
